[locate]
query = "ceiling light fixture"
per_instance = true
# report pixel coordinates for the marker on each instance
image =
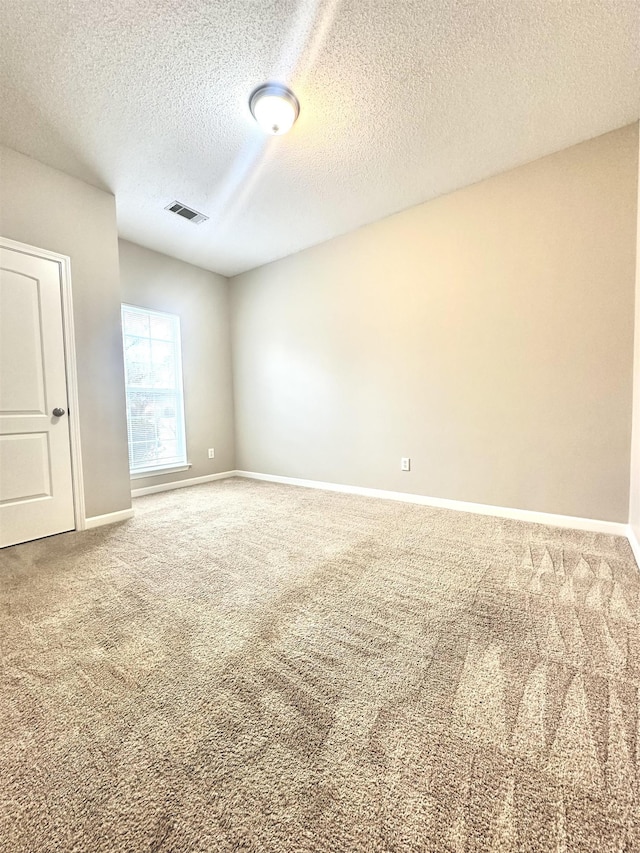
(274, 107)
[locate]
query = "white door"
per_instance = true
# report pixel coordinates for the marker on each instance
(36, 487)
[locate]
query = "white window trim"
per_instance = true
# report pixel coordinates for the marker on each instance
(158, 470)
(140, 473)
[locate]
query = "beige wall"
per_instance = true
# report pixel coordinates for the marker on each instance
(201, 299)
(487, 334)
(634, 497)
(50, 210)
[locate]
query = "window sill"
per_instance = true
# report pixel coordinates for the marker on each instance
(157, 472)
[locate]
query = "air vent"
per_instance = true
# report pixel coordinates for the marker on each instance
(186, 212)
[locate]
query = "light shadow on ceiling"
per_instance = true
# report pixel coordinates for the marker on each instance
(311, 28)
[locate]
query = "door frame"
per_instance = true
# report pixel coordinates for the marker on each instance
(64, 267)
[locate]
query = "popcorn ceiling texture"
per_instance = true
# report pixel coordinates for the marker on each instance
(402, 100)
(254, 667)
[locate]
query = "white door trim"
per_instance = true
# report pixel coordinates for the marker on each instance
(64, 264)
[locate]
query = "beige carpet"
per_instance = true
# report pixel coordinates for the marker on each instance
(255, 667)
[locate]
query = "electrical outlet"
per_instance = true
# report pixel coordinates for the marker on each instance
(212, 454)
(405, 463)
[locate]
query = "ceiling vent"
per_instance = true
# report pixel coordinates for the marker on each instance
(186, 212)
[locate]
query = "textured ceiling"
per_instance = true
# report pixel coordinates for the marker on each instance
(401, 101)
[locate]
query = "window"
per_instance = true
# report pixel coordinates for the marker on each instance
(153, 382)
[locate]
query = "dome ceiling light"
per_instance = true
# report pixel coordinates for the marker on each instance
(274, 107)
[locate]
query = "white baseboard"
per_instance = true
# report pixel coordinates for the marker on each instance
(635, 545)
(109, 518)
(568, 521)
(572, 522)
(180, 484)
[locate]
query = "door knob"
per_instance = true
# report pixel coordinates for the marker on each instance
(58, 413)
